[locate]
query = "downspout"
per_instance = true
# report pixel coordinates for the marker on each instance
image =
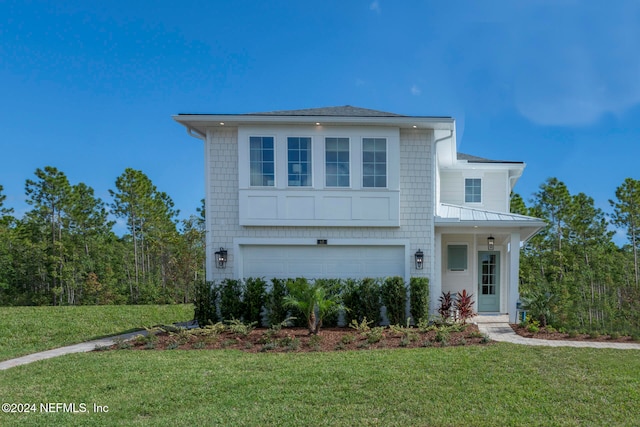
(196, 133)
(435, 273)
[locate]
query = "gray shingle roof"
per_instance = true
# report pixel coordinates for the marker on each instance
(475, 159)
(340, 111)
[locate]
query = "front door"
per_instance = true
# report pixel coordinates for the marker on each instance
(489, 281)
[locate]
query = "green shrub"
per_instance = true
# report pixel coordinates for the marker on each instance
(239, 328)
(254, 299)
(362, 300)
(361, 327)
(231, 306)
(375, 334)
(442, 335)
(419, 298)
(334, 291)
(204, 303)
(276, 311)
(394, 297)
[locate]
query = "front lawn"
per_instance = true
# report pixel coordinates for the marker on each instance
(496, 385)
(25, 330)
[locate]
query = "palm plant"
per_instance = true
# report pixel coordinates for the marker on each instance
(313, 301)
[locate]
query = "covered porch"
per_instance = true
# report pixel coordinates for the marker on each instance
(480, 253)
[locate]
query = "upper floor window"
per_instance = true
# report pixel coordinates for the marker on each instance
(374, 162)
(473, 190)
(299, 161)
(261, 157)
(337, 162)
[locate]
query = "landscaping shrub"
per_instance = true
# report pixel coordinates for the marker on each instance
(419, 298)
(254, 299)
(313, 301)
(464, 306)
(394, 297)
(231, 299)
(445, 306)
(334, 291)
(204, 303)
(362, 299)
(276, 311)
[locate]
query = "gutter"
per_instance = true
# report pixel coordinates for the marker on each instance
(196, 133)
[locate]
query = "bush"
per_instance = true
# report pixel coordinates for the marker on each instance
(276, 311)
(464, 306)
(419, 298)
(334, 291)
(204, 303)
(445, 306)
(394, 297)
(362, 299)
(231, 299)
(254, 298)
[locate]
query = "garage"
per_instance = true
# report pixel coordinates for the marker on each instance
(321, 261)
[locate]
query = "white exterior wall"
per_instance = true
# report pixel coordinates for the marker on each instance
(495, 190)
(222, 205)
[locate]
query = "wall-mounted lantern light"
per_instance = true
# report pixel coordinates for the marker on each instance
(419, 259)
(221, 258)
(491, 241)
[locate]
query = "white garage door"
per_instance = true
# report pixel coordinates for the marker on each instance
(322, 261)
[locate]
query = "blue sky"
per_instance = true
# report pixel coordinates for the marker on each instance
(90, 87)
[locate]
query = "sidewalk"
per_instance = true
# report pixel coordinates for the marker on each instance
(76, 348)
(498, 329)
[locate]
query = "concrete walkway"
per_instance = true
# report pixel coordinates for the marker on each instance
(498, 329)
(76, 348)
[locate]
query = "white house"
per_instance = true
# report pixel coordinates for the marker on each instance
(347, 192)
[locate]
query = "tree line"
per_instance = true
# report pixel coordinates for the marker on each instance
(64, 251)
(572, 274)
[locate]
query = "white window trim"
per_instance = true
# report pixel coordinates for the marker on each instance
(386, 148)
(457, 272)
(311, 163)
(464, 189)
(324, 162)
(275, 160)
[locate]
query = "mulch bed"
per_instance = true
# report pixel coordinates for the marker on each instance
(298, 340)
(544, 334)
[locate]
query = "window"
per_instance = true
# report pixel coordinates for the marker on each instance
(299, 161)
(374, 162)
(337, 162)
(473, 190)
(457, 257)
(262, 161)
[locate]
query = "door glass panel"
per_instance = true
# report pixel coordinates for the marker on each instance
(488, 274)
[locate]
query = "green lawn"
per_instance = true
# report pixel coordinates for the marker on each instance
(493, 385)
(25, 330)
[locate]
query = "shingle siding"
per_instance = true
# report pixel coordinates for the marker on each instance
(416, 202)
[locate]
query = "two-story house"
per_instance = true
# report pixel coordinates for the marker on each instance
(347, 192)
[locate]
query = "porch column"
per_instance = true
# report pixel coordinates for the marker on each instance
(436, 275)
(514, 275)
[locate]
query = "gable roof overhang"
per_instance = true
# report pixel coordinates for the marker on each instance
(465, 218)
(327, 116)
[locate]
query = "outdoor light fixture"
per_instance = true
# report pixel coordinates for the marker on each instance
(419, 259)
(491, 242)
(221, 258)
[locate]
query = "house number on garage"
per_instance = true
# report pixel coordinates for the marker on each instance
(322, 241)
